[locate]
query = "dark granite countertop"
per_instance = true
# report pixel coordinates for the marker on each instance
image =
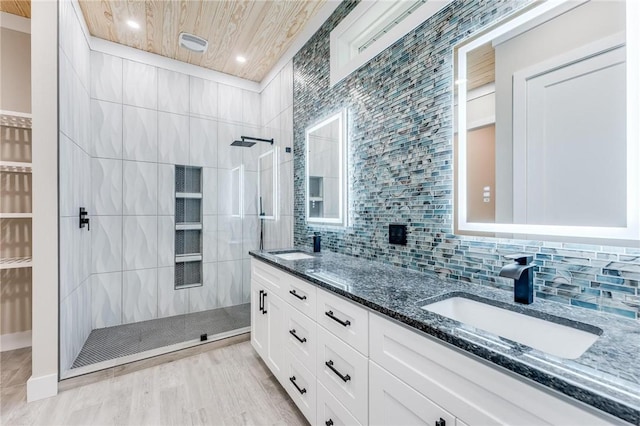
(606, 376)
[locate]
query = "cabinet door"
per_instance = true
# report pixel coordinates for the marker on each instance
(276, 332)
(392, 402)
(258, 320)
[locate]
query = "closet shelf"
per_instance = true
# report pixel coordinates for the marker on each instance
(15, 167)
(196, 195)
(15, 119)
(16, 262)
(16, 215)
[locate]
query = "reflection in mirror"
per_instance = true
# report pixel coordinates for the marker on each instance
(236, 191)
(542, 141)
(267, 184)
(326, 171)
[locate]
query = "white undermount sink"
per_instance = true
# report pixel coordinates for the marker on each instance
(546, 336)
(293, 255)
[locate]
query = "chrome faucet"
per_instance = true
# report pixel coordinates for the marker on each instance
(522, 276)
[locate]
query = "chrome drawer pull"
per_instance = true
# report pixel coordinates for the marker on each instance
(344, 378)
(293, 333)
(345, 323)
(302, 391)
(297, 295)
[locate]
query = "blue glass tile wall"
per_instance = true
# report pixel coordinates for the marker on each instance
(400, 135)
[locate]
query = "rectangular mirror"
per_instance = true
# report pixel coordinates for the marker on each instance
(547, 123)
(267, 166)
(326, 171)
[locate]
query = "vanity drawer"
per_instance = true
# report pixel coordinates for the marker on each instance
(344, 372)
(301, 386)
(302, 338)
(271, 278)
(300, 295)
(331, 412)
(344, 319)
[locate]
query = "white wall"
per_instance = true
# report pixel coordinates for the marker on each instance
(75, 185)
(44, 102)
(15, 71)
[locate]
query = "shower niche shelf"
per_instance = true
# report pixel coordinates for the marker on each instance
(188, 234)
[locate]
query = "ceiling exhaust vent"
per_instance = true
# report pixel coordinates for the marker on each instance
(193, 43)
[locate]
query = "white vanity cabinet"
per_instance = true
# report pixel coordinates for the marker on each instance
(343, 364)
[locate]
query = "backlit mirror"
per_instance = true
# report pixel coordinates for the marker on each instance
(547, 123)
(326, 171)
(267, 184)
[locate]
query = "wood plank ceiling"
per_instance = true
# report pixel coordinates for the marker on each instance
(481, 64)
(16, 7)
(261, 31)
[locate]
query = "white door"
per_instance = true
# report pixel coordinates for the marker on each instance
(275, 309)
(392, 402)
(259, 324)
(570, 142)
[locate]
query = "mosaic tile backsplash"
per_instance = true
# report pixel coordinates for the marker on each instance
(400, 159)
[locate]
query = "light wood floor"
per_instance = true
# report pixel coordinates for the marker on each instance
(223, 386)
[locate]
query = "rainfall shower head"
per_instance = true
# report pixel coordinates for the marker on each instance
(244, 144)
(248, 141)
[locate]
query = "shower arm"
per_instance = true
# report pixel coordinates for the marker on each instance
(256, 139)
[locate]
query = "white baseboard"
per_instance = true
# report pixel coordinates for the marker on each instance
(42, 387)
(9, 342)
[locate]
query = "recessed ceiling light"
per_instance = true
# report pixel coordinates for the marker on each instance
(133, 24)
(193, 42)
(241, 59)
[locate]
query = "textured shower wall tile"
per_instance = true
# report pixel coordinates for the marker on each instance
(229, 156)
(286, 86)
(106, 129)
(285, 184)
(202, 142)
(209, 238)
(204, 97)
(106, 244)
(166, 190)
(106, 299)
(229, 283)
(140, 134)
(250, 234)
(250, 193)
(140, 242)
(139, 85)
(251, 106)
(106, 77)
(166, 241)
(229, 103)
(173, 138)
(229, 238)
(226, 192)
(140, 191)
(140, 295)
(251, 155)
(209, 191)
(205, 297)
(173, 91)
(170, 301)
(67, 196)
(106, 179)
(69, 255)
